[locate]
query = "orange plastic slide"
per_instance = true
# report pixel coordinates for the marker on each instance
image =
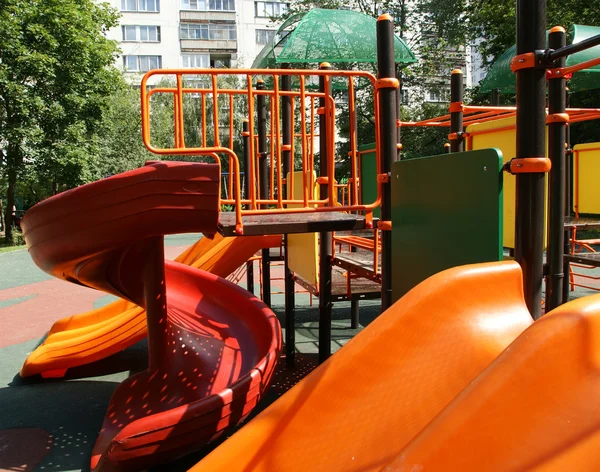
(534, 408)
(358, 410)
(97, 334)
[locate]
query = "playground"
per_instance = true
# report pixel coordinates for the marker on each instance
(241, 309)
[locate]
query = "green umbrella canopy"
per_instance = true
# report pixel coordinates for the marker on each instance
(502, 78)
(327, 36)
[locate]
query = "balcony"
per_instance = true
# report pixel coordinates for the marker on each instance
(229, 45)
(211, 16)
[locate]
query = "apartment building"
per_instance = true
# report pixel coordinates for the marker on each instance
(192, 33)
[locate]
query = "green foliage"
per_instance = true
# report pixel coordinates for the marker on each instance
(490, 24)
(55, 77)
(17, 238)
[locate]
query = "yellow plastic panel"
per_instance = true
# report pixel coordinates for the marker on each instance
(501, 134)
(303, 252)
(587, 170)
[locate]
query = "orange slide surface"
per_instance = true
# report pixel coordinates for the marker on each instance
(359, 409)
(455, 376)
(97, 334)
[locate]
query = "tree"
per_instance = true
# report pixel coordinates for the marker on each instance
(490, 24)
(55, 77)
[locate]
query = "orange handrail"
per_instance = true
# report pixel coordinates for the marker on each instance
(300, 99)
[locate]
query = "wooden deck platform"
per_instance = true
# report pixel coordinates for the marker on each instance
(587, 258)
(288, 223)
(581, 223)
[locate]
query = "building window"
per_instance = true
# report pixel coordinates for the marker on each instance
(197, 61)
(438, 96)
(144, 34)
(220, 62)
(140, 5)
(404, 97)
(269, 9)
(208, 5)
(141, 63)
(208, 31)
(264, 36)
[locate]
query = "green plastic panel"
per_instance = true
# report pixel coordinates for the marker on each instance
(446, 211)
(368, 175)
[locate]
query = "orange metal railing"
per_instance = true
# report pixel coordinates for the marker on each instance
(241, 105)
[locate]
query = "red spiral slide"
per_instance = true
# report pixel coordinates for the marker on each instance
(212, 345)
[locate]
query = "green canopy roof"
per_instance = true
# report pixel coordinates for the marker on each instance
(327, 36)
(502, 78)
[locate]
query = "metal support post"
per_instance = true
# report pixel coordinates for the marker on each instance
(247, 182)
(354, 313)
(456, 114)
(288, 166)
(155, 297)
(263, 171)
(388, 145)
(531, 121)
(325, 254)
(557, 102)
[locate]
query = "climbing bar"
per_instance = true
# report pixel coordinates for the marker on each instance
(566, 72)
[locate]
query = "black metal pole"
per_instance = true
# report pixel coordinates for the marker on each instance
(247, 181)
(568, 203)
(531, 116)
(155, 297)
(263, 171)
(496, 97)
(557, 104)
(398, 109)
(456, 115)
(290, 302)
(388, 145)
(354, 313)
(565, 51)
(325, 254)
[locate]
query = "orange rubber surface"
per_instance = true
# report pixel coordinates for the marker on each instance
(97, 334)
(359, 409)
(534, 408)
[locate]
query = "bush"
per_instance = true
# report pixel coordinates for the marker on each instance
(17, 238)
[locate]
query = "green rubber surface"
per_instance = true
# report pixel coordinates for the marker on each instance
(446, 211)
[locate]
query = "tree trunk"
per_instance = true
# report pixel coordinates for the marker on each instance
(13, 160)
(2, 225)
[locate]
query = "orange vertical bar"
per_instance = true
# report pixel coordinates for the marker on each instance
(231, 173)
(176, 122)
(252, 173)
(217, 141)
(312, 135)
(204, 120)
(376, 251)
(180, 110)
(353, 133)
(305, 157)
(330, 130)
(275, 119)
(272, 149)
(292, 144)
